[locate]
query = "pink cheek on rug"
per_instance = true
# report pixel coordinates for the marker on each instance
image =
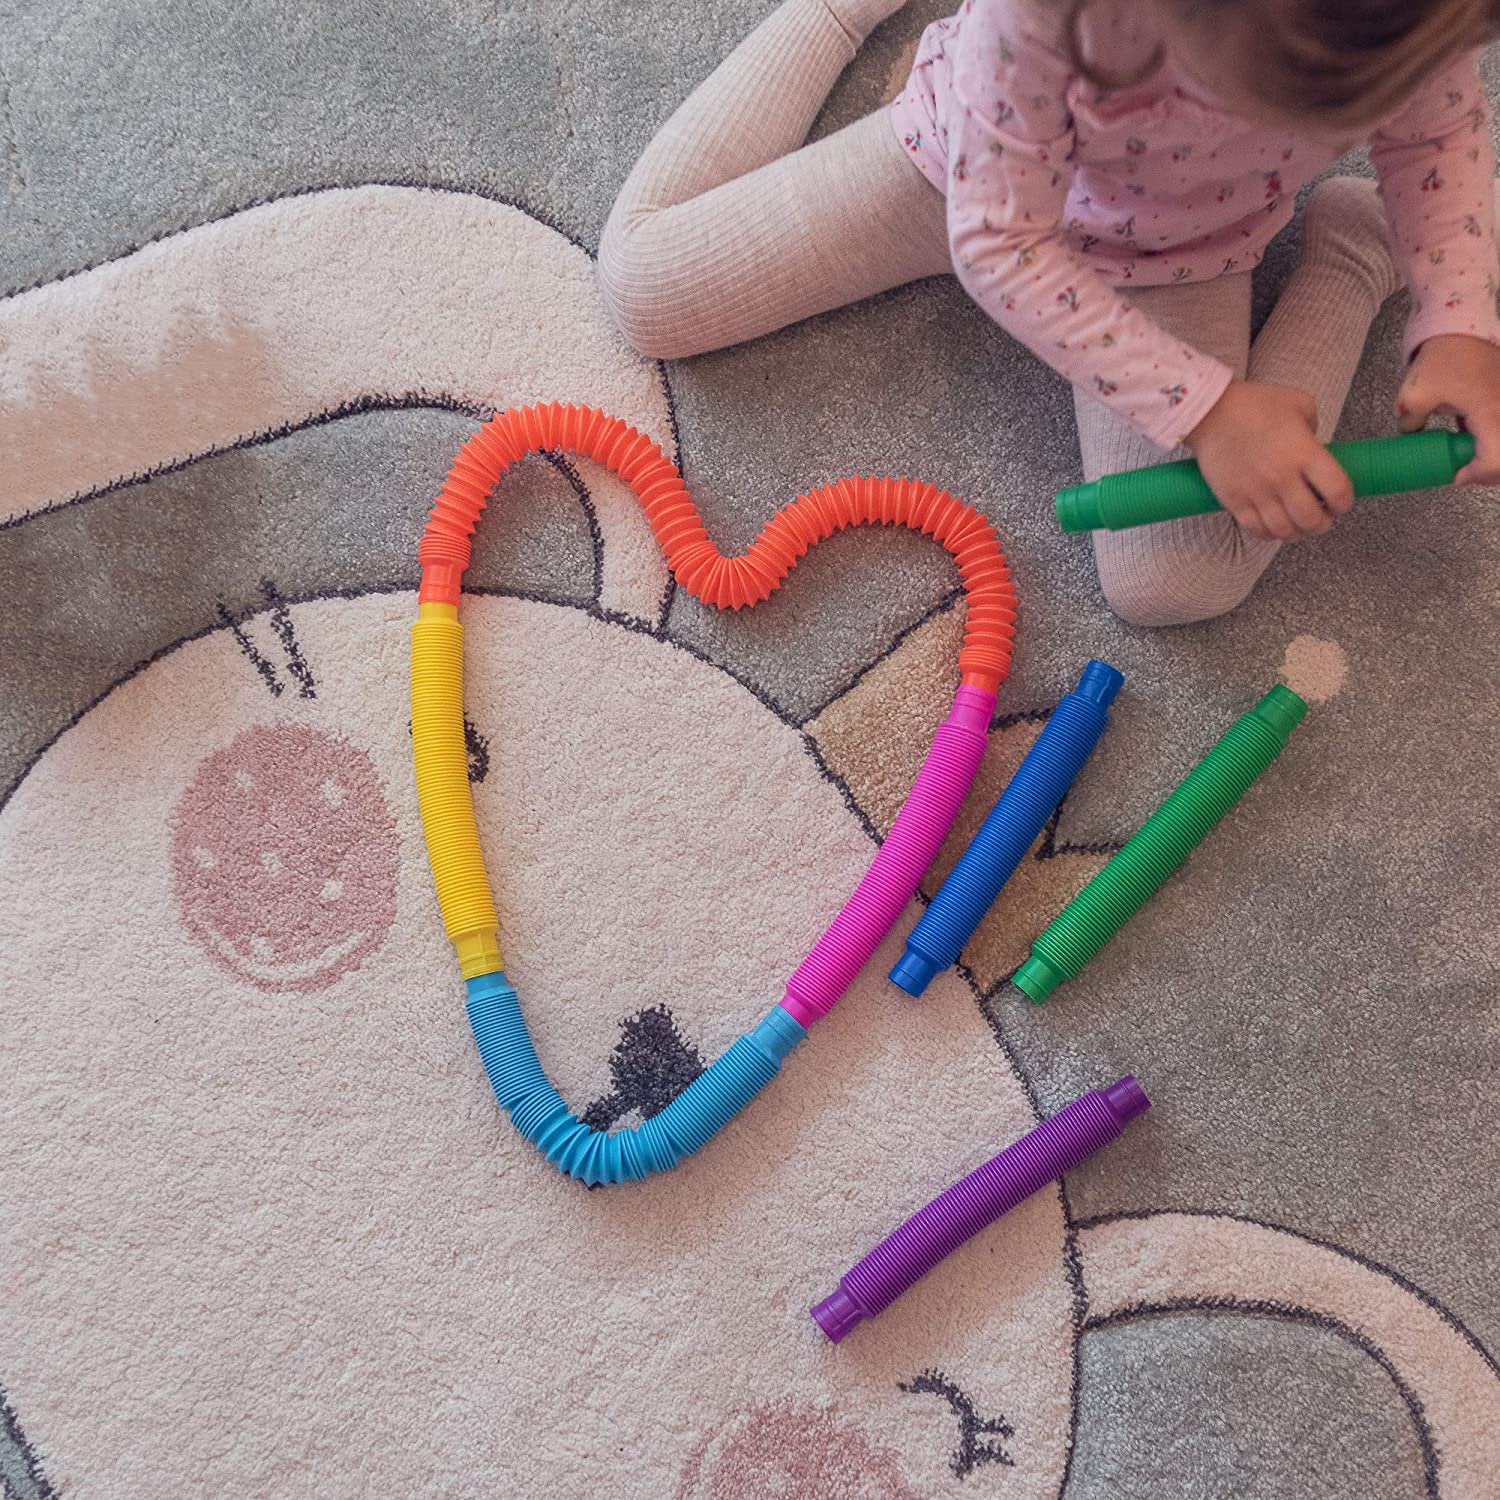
(284, 858)
(781, 1450)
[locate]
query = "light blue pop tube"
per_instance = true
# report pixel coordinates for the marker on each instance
(1039, 785)
(537, 1110)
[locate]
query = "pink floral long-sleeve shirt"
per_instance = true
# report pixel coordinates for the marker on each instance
(1059, 197)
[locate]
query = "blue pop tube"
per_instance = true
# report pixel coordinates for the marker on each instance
(692, 1119)
(1039, 785)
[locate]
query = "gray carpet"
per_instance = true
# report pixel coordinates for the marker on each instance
(1313, 1006)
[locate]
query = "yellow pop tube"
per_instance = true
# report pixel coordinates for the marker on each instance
(443, 795)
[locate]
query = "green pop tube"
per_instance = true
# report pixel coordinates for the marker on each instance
(1378, 466)
(1166, 838)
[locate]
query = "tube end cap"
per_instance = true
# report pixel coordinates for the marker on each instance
(1078, 508)
(837, 1314)
(1281, 709)
(1127, 1099)
(913, 972)
(1099, 683)
(1036, 978)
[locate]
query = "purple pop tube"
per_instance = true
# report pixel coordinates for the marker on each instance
(958, 1213)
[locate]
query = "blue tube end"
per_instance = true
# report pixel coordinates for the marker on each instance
(777, 1034)
(913, 972)
(1099, 683)
(485, 985)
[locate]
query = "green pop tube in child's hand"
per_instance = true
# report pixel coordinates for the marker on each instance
(1164, 840)
(1377, 466)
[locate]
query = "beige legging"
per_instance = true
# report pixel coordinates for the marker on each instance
(729, 227)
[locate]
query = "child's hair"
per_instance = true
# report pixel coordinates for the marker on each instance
(1336, 61)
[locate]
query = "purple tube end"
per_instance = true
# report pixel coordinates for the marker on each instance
(1127, 1099)
(837, 1314)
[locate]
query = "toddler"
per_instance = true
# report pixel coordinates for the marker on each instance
(1102, 175)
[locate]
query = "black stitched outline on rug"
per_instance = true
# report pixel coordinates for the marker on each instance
(358, 407)
(669, 592)
(451, 189)
(1073, 1269)
(970, 1453)
(248, 648)
(417, 400)
(408, 585)
(281, 623)
(569, 471)
(14, 1436)
(942, 607)
(1288, 1312)
(1368, 1263)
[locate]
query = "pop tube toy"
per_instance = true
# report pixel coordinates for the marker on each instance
(1163, 841)
(713, 1099)
(1165, 492)
(958, 1213)
(1031, 797)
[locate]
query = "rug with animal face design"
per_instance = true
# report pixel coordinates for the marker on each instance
(266, 1231)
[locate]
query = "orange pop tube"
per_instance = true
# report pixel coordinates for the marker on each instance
(697, 564)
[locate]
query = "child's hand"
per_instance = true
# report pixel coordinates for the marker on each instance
(1258, 449)
(1457, 375)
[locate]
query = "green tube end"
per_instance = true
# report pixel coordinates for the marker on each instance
(1460, 449)
(1036, 979)
(1281, 709)
(1078, 508)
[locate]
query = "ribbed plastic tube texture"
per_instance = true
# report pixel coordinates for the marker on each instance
(1167, 837)
(901, 862)
(1041, 1156)
(696, 562)
(593, 1156)
(1033, 794)
(1163, 492)
(725, 582)
(717, 1095)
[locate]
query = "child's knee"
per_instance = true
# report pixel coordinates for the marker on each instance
(1156, 585)
(1140, 602)
(636, 294)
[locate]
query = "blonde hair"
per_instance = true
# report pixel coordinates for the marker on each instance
(1334, 60)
